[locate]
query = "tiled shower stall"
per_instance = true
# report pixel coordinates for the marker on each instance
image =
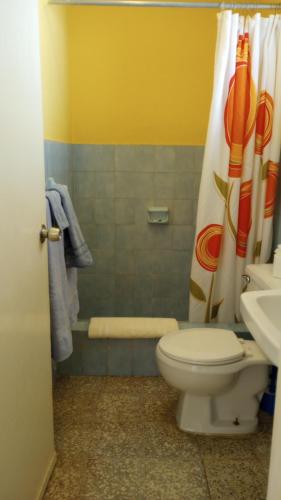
(139, 269)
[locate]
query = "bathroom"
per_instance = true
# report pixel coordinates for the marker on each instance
(119, 104)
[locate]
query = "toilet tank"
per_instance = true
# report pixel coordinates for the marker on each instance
(260, 277)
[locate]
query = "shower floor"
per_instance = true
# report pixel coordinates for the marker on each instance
(116, 438)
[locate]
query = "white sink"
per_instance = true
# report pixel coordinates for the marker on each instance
(261, 312)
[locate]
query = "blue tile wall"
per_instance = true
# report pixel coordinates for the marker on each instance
(112, 187)
(58, 162)
(133, 256)
(119, 360)
(143, 357)
(94, 357)
(115, 357)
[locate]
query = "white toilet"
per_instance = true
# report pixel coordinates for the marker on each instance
(220, 377)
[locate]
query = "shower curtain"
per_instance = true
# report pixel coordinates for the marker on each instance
(240, 167)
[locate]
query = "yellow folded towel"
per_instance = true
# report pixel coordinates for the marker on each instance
(127, 328)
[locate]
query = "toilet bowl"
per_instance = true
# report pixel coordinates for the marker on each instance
(220, 379)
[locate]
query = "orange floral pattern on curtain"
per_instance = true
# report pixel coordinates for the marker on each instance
(244, 218)
(264, 122)
(240, 109)
(239, 183)
(208, 246)
(271, 188)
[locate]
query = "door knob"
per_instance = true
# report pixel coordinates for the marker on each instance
(52, 234)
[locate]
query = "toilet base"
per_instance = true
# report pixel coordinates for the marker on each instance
(199, 415)
(233, 412)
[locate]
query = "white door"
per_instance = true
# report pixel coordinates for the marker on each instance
(26, 427)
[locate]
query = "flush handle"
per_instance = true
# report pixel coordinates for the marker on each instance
(52, 234)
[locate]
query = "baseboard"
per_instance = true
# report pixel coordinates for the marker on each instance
(47, 476)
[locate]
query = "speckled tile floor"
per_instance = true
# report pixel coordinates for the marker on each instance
(116, 438)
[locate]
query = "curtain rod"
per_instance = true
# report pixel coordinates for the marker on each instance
(168, 4)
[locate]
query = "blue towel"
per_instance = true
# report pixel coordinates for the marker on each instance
(62, 300)
(77, 253)
(72, 294)
(57, 212)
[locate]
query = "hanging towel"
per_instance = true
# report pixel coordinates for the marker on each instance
(63, 296)
(131, 327)
(72, 294)
(77, 253)
(58, 216)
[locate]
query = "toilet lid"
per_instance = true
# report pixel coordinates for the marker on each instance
(202, 346)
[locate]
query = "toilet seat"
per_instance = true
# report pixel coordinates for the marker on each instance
(202, 346)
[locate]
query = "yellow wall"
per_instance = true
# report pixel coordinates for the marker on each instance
(140, 76)
(55, 71)
(126, 75)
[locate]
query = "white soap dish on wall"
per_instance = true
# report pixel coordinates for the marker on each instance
(158, 215)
